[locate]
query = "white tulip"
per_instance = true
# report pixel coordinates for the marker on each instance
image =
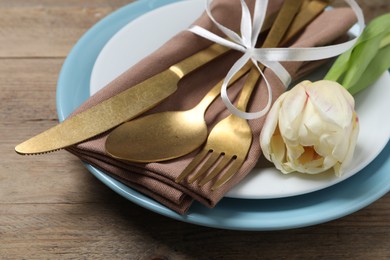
(311, 128)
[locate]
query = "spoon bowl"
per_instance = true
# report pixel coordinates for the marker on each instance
(158, 137)
(164, 136)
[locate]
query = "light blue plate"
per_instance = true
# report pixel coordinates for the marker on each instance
(272, 214)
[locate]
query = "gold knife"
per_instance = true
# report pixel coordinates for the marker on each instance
(119, 108)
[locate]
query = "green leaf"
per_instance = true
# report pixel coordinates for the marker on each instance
(375, 69)
(352, 65)
(361, 56)
(339, 67)
(385, 41)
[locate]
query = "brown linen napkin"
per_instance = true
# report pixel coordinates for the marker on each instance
(157, 179)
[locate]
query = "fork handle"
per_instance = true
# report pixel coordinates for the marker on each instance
(248, 88)
(310, 10)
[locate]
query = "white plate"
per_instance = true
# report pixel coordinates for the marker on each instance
(146, 33)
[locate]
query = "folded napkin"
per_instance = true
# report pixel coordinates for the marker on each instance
(157, 180)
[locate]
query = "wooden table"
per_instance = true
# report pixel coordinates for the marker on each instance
(52, 207)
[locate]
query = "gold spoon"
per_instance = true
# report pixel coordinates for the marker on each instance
(163, 136)
(166, 135)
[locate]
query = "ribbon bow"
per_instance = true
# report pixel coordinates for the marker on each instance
(269, 57)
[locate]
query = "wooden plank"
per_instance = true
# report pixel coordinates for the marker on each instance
(59, 24)
(27, 107)
(47, 28)
(63, 4)
(28, 89)
(112, 231)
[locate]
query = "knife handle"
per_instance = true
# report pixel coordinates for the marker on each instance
(200, 58)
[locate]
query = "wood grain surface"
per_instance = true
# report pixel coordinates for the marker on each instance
(51, 207)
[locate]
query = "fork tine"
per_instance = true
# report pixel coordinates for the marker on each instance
(221, 165)
(209, 162)
(197, 159)
(236, 164)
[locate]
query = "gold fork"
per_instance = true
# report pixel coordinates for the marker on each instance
(229, 141)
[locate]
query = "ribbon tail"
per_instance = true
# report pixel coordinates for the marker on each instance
(215, 38)
(246, 24)
(258, 19)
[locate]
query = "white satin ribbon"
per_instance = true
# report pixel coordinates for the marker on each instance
(269, 57)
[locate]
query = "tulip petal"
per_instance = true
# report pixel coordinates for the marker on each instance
(285, 168)
(329, 162)
(326, 144)
(312, 167)
(328, 98)
(311, 126)
(278, 147)
(291, 112)
(269, 127)
(351, 147)
(294, 152)
(341, 147)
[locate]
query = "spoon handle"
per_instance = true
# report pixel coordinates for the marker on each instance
(216, 90)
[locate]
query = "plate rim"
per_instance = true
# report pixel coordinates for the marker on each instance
(197, 214)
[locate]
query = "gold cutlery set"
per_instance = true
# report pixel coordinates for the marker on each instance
(167, 135)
